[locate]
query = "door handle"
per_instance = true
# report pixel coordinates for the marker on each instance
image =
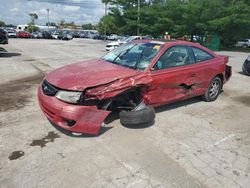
(193, 75)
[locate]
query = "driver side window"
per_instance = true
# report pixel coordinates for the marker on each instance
(174, 56)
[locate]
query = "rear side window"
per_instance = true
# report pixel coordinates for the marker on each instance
(201, 55)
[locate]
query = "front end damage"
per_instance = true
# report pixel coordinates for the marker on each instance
(95, 105)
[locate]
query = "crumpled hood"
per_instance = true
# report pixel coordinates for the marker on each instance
(80, 76)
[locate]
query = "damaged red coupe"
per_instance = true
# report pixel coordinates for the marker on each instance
(132, 79)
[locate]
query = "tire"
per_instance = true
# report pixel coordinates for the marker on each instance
(244, 46)
(145, 115)
(213, 90)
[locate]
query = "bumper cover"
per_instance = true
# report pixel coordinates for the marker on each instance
(74, 118)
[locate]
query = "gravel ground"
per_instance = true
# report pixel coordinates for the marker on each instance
(192, 143)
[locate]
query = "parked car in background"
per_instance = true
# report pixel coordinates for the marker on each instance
(131, 80)
(112, 37)
(98, 36)
(83, 34)
(243, 43)
(11, 33)
(75, 34)
(65, 35)
(55, 35)
(47, 35)
(246, 66)
(23, 34)
(37, 35)
(3, 37)
(112, 45)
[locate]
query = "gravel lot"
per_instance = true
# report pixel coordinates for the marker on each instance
(192, 143)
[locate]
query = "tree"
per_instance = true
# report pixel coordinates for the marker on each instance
(110, 24)
(227, 18)
(88, 26)
(32, 28)
(33, 17)
(2, 24)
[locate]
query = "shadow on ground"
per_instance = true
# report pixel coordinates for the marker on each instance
(5, 53)
(175, 105)
(103, 129)
(115, 115)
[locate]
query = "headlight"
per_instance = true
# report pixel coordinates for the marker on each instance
(69, 96)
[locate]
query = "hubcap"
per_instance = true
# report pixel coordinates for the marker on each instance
(214, 89)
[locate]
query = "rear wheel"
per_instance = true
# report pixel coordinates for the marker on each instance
(213, 90)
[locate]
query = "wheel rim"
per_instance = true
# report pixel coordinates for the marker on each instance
(214, 89)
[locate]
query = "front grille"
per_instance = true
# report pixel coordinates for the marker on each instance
(49, 89)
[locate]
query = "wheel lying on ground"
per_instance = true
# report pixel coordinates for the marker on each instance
(137, 116)
(213, 90)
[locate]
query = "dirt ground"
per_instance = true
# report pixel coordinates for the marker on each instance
(192, 143)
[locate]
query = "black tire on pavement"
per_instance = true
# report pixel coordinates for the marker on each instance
(145, 115)
(213, 90)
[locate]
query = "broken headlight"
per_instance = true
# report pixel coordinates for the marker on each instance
(69, 96)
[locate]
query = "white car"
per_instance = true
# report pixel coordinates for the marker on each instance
(112, 45)
(11, 34)
(112, 37)
(243, 43)
(55, 35)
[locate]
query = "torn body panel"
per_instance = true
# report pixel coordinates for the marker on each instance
(119, 86)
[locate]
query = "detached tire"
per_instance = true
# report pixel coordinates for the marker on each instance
(145, 115)
(213, 90)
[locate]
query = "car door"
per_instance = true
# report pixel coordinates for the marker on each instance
(173, 76)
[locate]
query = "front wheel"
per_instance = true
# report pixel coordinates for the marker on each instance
(141, 116)
(213, 90)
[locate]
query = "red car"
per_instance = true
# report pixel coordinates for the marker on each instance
(23, 34)
(132, 79)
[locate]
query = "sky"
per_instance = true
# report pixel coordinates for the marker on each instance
(80, 11)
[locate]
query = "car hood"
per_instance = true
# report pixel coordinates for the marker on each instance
(80, 76)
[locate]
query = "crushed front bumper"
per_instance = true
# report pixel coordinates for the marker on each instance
(74, 118)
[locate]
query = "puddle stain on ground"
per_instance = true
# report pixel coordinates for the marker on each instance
(49, 138)
(16, 94)
(243, 99)
(15, 155)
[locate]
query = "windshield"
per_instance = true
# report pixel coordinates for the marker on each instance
(133, 55)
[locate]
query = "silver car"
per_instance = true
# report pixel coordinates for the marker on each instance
(243, 43)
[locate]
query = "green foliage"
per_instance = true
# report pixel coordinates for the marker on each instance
(70, 25)
(88, 26)
(32, 28)
(33, 17)
(230, 19)
(2, 24)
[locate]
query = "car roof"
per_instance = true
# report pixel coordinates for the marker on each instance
(175, 42)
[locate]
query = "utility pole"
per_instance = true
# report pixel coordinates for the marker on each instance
(105, 22)
(138, 17)
(48, 17)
